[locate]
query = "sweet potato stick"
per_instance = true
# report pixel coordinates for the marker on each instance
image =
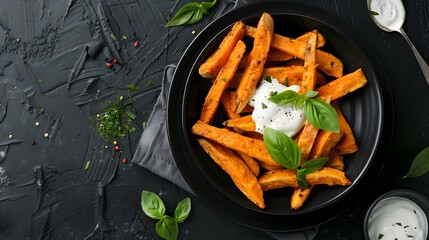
(347, 144)
(335, 160)
(327, 62)
(245, 123)
(255, 62)
(252, 147)
(343, 85)
(309, 74)
(324, 143)
(321, 40)
(226, 102)
(240, 174)
(212, 100)
(306, 140)
(299, 196)
(212, 66)
(287, 178)
(291, 75)
(250, 162)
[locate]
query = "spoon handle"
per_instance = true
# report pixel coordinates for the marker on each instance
(420, 60)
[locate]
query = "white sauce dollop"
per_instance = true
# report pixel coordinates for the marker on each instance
(391, 13)
(286, 119)
(397, 218)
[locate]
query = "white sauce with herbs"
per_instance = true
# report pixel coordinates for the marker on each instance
(286, 119)
(388, 13)
(397, 218)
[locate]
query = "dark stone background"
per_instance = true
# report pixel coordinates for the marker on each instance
(52, 71)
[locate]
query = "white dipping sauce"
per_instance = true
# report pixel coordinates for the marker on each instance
(286, 119)
(391, 13)
(397, 218)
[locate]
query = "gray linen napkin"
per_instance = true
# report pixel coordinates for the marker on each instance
(154, 153)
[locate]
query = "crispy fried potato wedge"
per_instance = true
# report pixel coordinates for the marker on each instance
(287, 178)
(309, 74)
(335, 160)
(255, 62)
(299, 196)
(245, 123)
(250, 162)
(212, 66)
(347, 144)
(252, 147)
(212, 100)
(327, 62)
(240, 174)
(324, 143)
(343, 85)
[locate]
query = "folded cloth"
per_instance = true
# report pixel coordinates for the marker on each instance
(154, 153)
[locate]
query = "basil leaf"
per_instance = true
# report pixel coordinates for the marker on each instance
(182, 210)
(313, 165)
(321, 115)
(311, 93)
(190, 14)
(152, 205)
(268, 79)
(208, 5)
(282, 148)
(301, 178)
(167, 228)
(420, 164)
(373, 13)
(285, 98)
(300, 103)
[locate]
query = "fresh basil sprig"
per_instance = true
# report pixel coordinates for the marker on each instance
(286, 152)
(420, 165)
(191, 13)
(167, 227)
(319, 113)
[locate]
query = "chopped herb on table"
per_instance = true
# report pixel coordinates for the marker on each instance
(115, 121)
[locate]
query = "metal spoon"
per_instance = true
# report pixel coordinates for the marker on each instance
(389, 15)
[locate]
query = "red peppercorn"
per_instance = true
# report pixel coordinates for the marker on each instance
(115, 60)
(109, 64)
(117, 148)
(136, 44)
(124, 161)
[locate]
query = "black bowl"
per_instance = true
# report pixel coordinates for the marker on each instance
(363, 109)
(418, 198)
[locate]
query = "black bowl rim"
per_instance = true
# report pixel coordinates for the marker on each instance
(415, 196)
(322, 16)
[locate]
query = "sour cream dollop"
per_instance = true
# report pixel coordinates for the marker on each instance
(397, 218)
(286, 119)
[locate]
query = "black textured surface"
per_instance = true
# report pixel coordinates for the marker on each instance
(52, 71)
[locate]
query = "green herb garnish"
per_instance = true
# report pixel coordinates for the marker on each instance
(115, 122)
(264, 106)
(191, 13)
(223, 79)
(286, 152)
(319, 113)
(420, 164)
(268, 79)
(167, 227)
(132, 87)
(88, 163)
(149, 84)
(380, 236)
(373, 13)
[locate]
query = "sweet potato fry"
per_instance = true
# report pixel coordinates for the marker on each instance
(254, 135)
(287, 178)
(291, 75)
(299, 196)
(324, 143)
(335, 160)
(255, 62)
(327, 62)
(212, 66)
(228, 106)
(343, 85)
(250, 162)
(240, 174)
(306, 140)
(252, 147)
(321, 40)
(245, 123)
(309, 74)
(212, 100)
(275, 55)
(347, 144)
